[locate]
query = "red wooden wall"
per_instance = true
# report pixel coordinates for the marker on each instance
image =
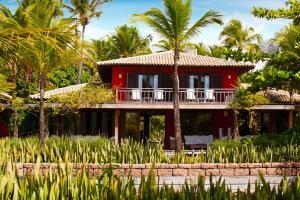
(119, 74)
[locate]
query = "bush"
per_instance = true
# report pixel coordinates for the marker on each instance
(291, 136)
(63, 185)
(102, 150)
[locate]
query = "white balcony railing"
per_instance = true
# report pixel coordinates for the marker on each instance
(165, 95)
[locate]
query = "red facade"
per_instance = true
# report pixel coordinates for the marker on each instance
(222, 119)
(229, 75)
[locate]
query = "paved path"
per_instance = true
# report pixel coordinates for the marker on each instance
(234, 183)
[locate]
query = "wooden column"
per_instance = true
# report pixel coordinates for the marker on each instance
(116, 126)
(291, 119)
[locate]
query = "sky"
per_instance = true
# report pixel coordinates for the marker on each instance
(119, 12)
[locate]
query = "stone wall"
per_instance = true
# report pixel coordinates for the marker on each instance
(204, 169)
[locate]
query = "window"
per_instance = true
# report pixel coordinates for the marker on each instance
(147, 81)
(197, 123)
(199, 81)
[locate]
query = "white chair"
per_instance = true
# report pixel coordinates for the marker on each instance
(136, 95)
(190, 94)
(159, 94)
(229, 98)
(209, 95)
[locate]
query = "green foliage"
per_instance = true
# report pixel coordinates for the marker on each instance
(235, 36)
(126, 41)
(88, 96)
(289, 137)
(291, 11)
(244, 99)
(157, 128)
(66, 76)
(62, 184)
(86, 10)
(5, 86)
(173, 22)
(103, 150)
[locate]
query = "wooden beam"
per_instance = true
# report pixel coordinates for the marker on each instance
(291, 119)
(116, 126)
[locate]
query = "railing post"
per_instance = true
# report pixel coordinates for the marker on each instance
(117, 101)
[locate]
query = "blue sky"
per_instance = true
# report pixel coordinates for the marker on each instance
(119, 12)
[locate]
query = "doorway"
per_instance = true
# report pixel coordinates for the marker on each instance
(145, 126)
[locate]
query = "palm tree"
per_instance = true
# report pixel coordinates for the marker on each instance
(235, 36)
(167, 45)
(202, 49)
(86, 10)
(127, 41)
(173, 25)
(288, 41)
(60, 34)
(288, 57)
(12, 61)
(101, 49)
(44, 39)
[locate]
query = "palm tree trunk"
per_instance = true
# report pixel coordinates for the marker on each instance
(236, 132)
(15, 112)
(42, 111)
(177, 125)
(81, 55)
(15, 122)
(27, 75)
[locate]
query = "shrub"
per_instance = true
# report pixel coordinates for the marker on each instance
(64, 185)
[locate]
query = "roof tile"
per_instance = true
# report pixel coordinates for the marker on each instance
(166, 59)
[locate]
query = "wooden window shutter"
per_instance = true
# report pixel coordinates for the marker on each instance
(183, 80)
(132, 80)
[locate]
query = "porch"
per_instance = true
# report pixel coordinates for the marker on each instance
(165, 95)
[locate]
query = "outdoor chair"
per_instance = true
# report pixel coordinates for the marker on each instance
(209, 95)
(136, 95)
(159, 95)
(190, 94)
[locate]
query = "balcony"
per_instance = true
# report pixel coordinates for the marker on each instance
(165, 95)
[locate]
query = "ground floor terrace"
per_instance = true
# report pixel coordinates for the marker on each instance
(155, 122)
(157, 125)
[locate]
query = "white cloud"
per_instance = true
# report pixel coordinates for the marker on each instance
(95, 31)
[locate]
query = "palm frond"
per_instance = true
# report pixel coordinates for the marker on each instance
(211, 17)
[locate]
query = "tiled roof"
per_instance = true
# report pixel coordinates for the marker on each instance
(63, 90)
(166, 59)
(280, 96)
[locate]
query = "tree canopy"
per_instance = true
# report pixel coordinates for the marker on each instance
(292, 11)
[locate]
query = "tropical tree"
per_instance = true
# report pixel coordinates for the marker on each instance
(44, 38)
(173, 25)
(167, 45)
(287, 60)
(5, 85)
(291, 11)
(127, 41)
(202, 49)
(49, 55)
(102, 49)
(85, 10)
(12, 57)
(235, 36)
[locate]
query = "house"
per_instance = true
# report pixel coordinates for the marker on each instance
(4, 113)
(143, 87)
